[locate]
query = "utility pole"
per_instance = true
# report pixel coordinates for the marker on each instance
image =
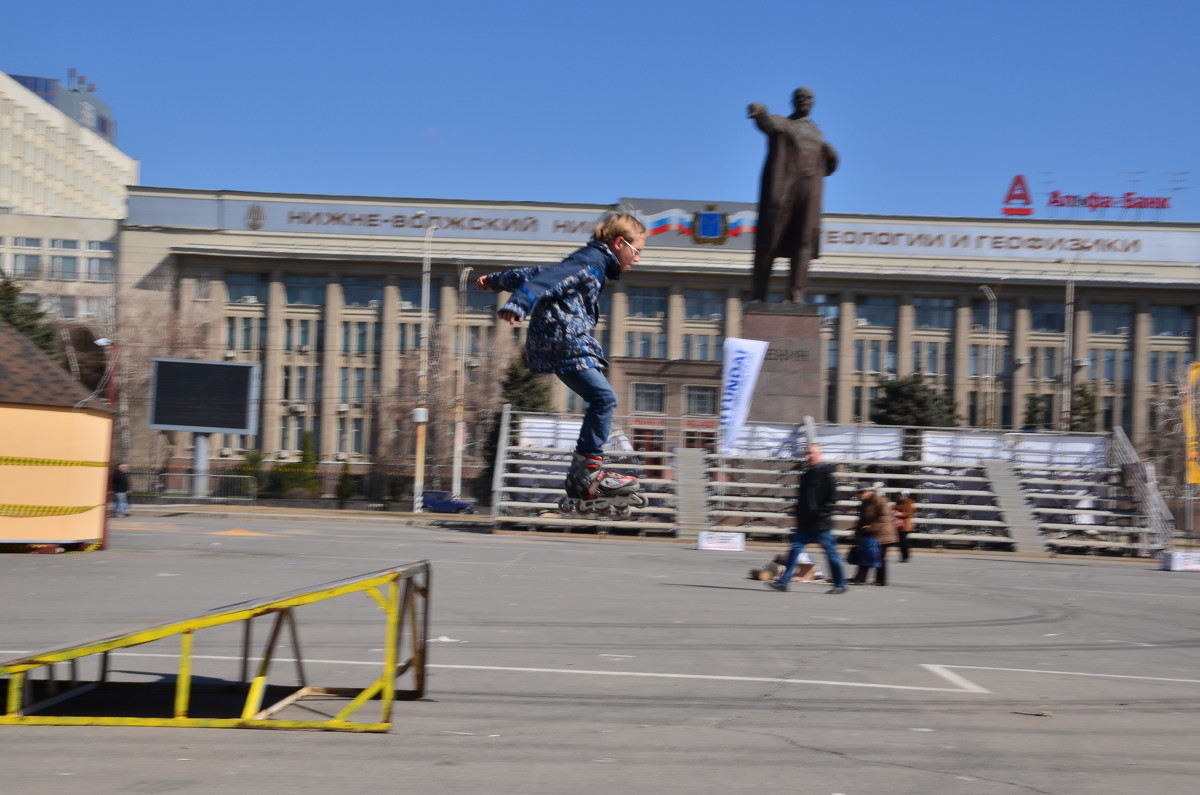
(460, 365)
(421, 413)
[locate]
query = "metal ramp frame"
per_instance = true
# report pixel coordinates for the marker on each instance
(401, 592)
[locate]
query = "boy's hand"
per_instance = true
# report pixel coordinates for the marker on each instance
(482, 282)
(509, 315)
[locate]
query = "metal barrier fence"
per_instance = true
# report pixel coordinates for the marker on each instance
(168, 488)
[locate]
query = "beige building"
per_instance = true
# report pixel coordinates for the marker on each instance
(62, 190)
(325, 292)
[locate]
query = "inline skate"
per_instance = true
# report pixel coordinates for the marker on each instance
(595, 491)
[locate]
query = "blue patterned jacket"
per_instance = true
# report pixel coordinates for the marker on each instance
(562, 303)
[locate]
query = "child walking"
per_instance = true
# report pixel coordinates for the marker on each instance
(562, 304)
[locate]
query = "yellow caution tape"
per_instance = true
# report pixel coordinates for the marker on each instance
(13, 461)
(28, 511)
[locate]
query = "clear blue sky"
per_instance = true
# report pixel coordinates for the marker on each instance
(934, 105)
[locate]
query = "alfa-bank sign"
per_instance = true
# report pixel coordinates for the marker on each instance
(1019, 200)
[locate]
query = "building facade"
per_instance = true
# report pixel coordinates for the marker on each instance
(62, 190)
(1008, 317)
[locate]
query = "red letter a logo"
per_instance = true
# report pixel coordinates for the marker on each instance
(1018, 193)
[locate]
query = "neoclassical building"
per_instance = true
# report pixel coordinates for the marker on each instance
(1009, 316)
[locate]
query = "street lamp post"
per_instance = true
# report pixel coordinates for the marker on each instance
(460, 427)
(989, 406)
(421, 413)
(1068, 370)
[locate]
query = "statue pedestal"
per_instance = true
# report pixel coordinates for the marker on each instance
(789, 386)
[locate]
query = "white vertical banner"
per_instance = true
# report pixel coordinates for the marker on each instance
(743, 361)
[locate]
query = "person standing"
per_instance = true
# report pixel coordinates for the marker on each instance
(562, 303)
(120, 490)
(906, 509)
(815, 500)
(874, 529)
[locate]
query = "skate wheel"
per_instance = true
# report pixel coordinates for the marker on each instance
(623, 513)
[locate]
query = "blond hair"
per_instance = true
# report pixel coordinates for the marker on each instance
(614, 225)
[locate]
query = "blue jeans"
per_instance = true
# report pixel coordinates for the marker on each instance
(601, 399)
(122, 506)
(802, 538)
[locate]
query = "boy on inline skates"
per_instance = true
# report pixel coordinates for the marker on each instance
(562, 304)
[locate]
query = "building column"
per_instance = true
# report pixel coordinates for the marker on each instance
(272, 361)
(676, 312)
(1022, 322)
(905, 320)
(846, 376)
(389, 356)
(962, 382)
(1138, 387)
(733, 312)
(331, 360)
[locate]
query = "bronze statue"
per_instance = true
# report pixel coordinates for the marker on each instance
(789, 202)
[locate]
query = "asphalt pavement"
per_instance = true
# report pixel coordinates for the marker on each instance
(576, 664)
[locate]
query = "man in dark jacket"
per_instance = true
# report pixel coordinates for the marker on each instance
(814, 521)
(120, 490)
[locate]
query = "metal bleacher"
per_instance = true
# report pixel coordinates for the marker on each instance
(978, 489)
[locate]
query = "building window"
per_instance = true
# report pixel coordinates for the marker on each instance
(647, 302)
(27, 242)
(101, 245)
(360, 291)
(1171, 365)
(68, 244)
(1046, 316)
(1171, 321)
(27, 266)
(477, 300)
(305, 290)
(246, 288)
(360, 338)
(831, 354)
(97, 269)
(649, 440)
(66, 307)
(1111, 318)
(933, 312)
(704, 304)
(702, 347)
(64, 268)
(410, 295)
(649, 398)
(645, 345)
(981, 314)
(409, 338)
(247, 333)
(700, 400)
(826, 304)
(878, 310)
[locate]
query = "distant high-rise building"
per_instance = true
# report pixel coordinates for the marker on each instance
(76, 98)
(63, 185)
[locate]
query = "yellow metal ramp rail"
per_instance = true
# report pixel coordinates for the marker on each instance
(402, 593)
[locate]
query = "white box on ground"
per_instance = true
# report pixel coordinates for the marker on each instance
(1174, 560)
(729, 542)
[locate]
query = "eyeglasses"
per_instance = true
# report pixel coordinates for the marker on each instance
(637, 251)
